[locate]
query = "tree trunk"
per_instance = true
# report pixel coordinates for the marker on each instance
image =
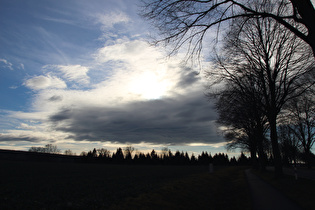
(308, 158)
(306, 10)
(312, 40)
(253, 156)
(261, 153)
(275, 146)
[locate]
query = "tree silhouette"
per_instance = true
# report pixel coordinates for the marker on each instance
(238, 106)
(243, 160)
(233, 161)
(288, 145)
(152, 158)
(187, 22)
(302, 123)
(103, 153)
(49, 148)
(164, 151)
(128, 152)
(69, 152)
(118, 157)
(277, 61)
(221, 159)
(193, 159)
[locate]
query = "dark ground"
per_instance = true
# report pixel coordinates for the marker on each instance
(52, 185)
(26, 184)
(41, 181)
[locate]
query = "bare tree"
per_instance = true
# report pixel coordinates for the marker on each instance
(275, 59)
(103, 153)
(289, 144)
(69, 152)
(53, 149)
(302, 123)
(184, 22)
(164, 152)
(128, 152)
(49, 148)
(238, 106)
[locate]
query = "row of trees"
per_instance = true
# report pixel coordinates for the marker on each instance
(128, 155)
(48, 148)
(166, 157)
(264, 70)
(268, 74)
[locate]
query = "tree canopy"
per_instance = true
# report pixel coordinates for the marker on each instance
(182, 22)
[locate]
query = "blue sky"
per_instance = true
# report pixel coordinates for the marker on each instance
(81, 74)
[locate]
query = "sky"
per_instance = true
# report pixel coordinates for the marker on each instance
(81, 75)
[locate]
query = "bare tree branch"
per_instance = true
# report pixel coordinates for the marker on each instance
(186, 22)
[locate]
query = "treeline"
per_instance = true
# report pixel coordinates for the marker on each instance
(48, 148)
(128, 155)
(167, 157)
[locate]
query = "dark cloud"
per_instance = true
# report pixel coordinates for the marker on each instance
(62, 115)
(55, 98)
(185, 119)
(21, 137)
(188, 77)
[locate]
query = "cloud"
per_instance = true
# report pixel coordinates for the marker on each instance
(18, 137)
(131, 51)
(7, 64)
(27, 135)
(143, 70)
(145, 98)
(166, 121)
(73, 73)
(21, 66)
(45, 82)
(101, 84)
(109, 20)
(55, 98)
(60, 20)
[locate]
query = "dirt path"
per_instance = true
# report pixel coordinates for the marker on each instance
(265, 197)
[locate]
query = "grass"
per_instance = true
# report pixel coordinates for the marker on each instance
(225, 189)
(40, 185)
(301, 191)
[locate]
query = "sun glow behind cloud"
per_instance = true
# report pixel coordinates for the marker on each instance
(147, 86)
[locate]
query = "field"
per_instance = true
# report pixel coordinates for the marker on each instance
(51, 185)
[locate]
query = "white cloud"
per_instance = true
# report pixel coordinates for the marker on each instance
(138, 73)
(21, 66)
(28, 116)
(142, 69)
(7, 64)
(109, 20)
(45, 82)
(133, 52)
(73, 73)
